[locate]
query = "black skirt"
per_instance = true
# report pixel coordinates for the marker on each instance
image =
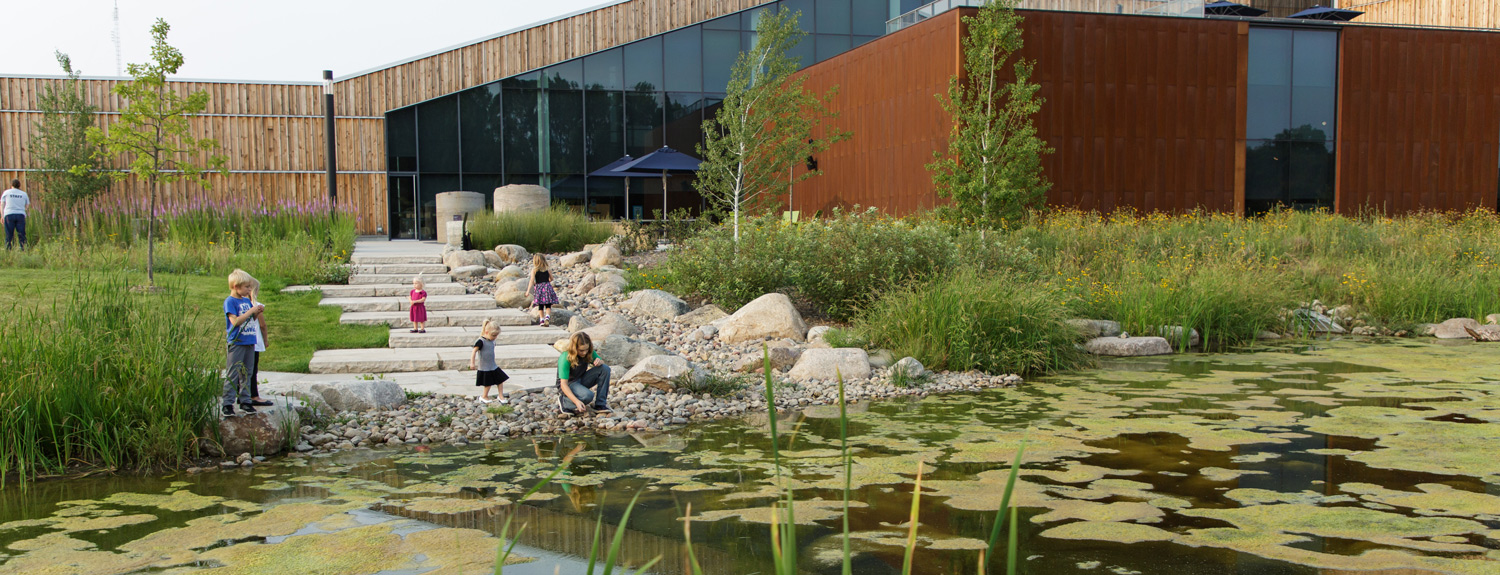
(489, 378)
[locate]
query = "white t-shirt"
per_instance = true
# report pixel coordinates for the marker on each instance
(260, 338)
(15, 201)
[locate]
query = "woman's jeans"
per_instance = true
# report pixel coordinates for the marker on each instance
(591, 388)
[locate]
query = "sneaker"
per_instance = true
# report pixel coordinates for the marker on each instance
(563, 406)
(602, 408)
(247, 408)
(546, 320)
(414, 331)
(228, 411)
(261, 403)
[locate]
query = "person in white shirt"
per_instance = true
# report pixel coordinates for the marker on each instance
(14, 203)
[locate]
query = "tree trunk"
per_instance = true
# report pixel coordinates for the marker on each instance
(151, 238)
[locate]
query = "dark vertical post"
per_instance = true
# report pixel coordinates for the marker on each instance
(328, 136)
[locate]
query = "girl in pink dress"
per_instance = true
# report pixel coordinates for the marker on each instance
(418, 305)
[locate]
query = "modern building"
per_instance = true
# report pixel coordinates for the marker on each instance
(1151, 104)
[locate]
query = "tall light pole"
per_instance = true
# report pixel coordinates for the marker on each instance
(329, 136)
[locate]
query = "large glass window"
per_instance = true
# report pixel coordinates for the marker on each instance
(833, 17)
(869, 17)
(1290, 118)
(480, 138)
(682, 53)
(437, 135)
(643, 123)
(401, 140)
(603, 71)
(522, 135)
(604, 118)
(565, 136)
(720, 48)
(643, 61)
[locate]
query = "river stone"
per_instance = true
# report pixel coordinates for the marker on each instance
(781, 358)
(825, 364)
(620, 350)
(606, 255)
(1173, 333)
(619, 324)
(360, 395)
(510, 272)
(607, 290)
(702, 316)
(656, 303)
(574, 259)
(771, 315)
(463, 258)
(662, 371)
(512, 253)
(470, 272)
(578, 322)
(910, 367)
(1092, 328)
(882, 358)
(261, 433)
(1455, 328)
(1129, 347)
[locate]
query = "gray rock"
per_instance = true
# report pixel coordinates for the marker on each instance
(771, 315)
(702, 316)
(1492, 319)
(620, 350)
(882, 358)
(1455, 328)
(909, 367)
(1311, 321)
(513, 254)
(707, 332)
(1173, 334)
(1128, 347)
(510, 272)
(578, 322)
(781, 358)
(815, 333)
(656, 303)
(1267, 335)
(360, 395)
(463, 258)
(261, 433)
(662, 372)
(493, 259)
(574, 259)
(606, 256)
(825, 364)
(1092, 328)
(470, 272)
(607, 290)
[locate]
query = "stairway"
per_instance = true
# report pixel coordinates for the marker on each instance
(377, 294)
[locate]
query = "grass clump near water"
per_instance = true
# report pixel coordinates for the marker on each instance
(549, 231)
(103, 378)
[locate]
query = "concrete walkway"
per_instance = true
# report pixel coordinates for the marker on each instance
(434, 362)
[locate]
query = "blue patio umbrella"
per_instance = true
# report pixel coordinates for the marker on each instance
(1231, 9)
(663, 160)
(609, 171)
(1319, 12)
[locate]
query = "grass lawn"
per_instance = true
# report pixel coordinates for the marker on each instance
(296, 325)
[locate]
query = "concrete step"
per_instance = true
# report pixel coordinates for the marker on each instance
(387, 360)
(465, 336)
(379, 290)
(460, 318)
(446, 382)
(410, 269)
(434, 303)
(358, 259)
(363, 279)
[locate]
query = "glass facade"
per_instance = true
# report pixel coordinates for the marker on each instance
(555, 125)
(1290, 119)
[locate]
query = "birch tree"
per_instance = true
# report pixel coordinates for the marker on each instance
(153, 134)
(992, 169)
(766, 124)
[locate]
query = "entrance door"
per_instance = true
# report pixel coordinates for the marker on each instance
(402, 201)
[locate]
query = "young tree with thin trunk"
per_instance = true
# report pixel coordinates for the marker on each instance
(67, 163)
(153, 134)
(992, 169)
(765, 126)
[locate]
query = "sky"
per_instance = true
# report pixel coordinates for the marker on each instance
(273, 40)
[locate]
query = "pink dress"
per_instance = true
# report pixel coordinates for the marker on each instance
(418, 310)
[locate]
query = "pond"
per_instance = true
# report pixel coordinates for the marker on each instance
(1344, 457)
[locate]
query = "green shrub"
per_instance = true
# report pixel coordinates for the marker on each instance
(106, 378)
(550, 231)
(994, 322)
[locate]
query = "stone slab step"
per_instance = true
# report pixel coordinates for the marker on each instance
(379, 290)
(460, 318)
(434, 303)
(465, 336)
(412, 269)
(445, 381)
(387, 360)
(358, 259)
(362, 279)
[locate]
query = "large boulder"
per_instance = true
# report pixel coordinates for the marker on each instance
(1128, 346)
(815, 336)
(1456, 328)
(656, 303)
(261, 433)
(851, 363)
(462, 258)
(510, 272)
(574, 259)
(360, 395)
(1174, 335)
(781, 358)
(512, 293)
(493, 260)
(607, 255)
(470, 272)
(578, 322)
(909, 368)
(771, 315)
(702, 316)
(512, 254)
(620, 350)
(663, 372)
(1092, 328)
(1492, 319)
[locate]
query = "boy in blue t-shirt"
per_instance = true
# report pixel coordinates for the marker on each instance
(240, 326)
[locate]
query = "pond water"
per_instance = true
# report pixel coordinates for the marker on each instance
(1340, 458)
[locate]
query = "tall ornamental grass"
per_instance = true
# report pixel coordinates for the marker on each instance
(105, 378)
(552, 230)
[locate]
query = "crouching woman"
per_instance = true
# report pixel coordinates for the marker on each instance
(582, 378)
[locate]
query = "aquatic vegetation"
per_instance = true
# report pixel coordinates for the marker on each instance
(1109, 531)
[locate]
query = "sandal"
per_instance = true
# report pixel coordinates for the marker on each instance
(421, 331)
(414, 331)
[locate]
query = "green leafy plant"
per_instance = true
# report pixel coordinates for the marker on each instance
(67, 163)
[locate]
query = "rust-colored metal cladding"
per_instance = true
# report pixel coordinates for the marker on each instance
(1419, 119)
(887, 99)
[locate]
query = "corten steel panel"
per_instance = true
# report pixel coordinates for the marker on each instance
(1419, 120)
(1146, 112)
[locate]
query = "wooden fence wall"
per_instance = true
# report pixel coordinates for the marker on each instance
(1458, 13)
(1419, 119)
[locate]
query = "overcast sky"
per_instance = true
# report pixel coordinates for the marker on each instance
(261, 40)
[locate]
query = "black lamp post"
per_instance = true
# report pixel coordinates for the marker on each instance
(329, 135)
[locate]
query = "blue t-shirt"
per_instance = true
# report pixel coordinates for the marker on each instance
(245, 333)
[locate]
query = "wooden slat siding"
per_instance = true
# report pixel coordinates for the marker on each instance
(1457, 13)
(1418, 120)
(1242, 89)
